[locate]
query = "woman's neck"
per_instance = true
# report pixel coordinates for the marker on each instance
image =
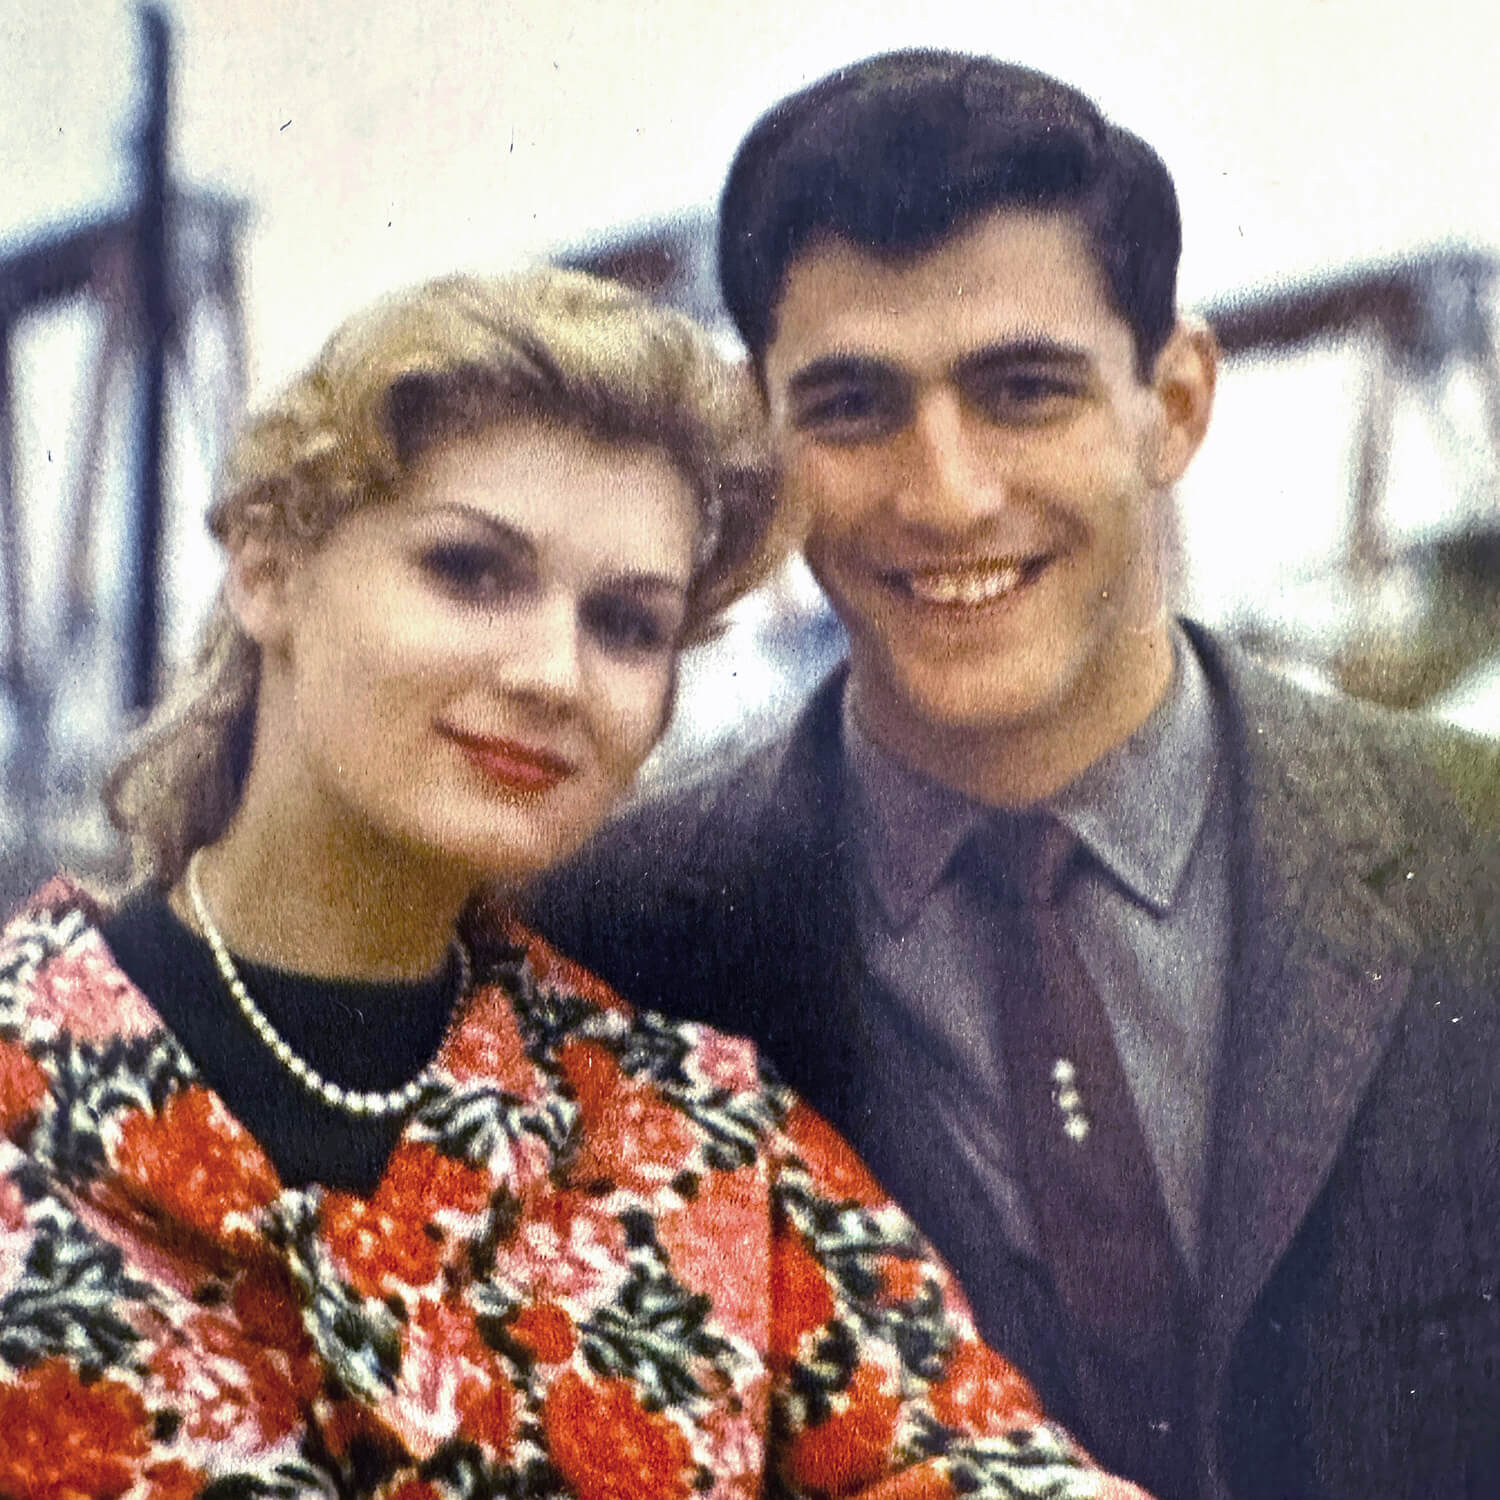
(324, 898)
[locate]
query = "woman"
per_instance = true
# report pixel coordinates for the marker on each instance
(320, 1174)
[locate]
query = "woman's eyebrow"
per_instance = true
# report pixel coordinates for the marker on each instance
(641, 581)
(513, 537)
(647, 585)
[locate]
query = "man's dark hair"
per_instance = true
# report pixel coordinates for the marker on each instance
(899, 151)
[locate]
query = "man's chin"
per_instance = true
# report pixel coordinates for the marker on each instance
(954, 705)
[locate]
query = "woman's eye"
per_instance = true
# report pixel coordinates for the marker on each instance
(629, 625)
(469, 571)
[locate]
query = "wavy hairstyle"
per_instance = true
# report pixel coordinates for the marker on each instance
(448, 359)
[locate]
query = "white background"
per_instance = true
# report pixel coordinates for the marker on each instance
(381, 142)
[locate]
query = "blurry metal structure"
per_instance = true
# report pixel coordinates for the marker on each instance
(1418, 321)
(160, 278)
(669, 259)
(1421, 315)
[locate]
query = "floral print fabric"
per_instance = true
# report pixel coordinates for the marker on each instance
(609, 1259)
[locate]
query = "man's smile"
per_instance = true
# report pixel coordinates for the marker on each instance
(968, 585)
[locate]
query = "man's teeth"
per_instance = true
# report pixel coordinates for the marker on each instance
(968, 587)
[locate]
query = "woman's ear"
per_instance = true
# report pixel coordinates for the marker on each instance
(1187, 370)
(258, 588)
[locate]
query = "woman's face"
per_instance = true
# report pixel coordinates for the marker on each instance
(477, 669)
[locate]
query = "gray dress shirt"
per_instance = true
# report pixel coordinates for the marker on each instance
(1150, 914)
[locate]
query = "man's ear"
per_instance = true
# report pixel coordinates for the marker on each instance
(258, 587)
(1187, 370)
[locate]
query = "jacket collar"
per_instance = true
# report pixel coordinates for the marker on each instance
(795, 871)
(1324, 954)
(801, 803)
(1324, 949)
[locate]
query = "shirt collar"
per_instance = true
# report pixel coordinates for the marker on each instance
(1138, 809)
(906, 826)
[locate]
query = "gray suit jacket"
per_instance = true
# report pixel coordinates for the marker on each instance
(1350, 1335)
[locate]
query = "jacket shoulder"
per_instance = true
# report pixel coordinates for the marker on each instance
(1405, 805)
(656, 902)
(675, 838)
(1330, 744)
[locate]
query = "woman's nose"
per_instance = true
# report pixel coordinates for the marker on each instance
(544, 657)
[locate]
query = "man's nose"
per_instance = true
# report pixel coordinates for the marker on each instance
(945, 478)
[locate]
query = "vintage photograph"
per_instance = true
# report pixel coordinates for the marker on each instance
(749, 751)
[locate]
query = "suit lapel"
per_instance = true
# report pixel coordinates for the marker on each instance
(1323, 961)
(1323, 964)
(795, 885)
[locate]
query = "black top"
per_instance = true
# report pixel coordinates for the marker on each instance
(359, 1034)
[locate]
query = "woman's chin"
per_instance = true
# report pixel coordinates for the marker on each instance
(509, 863)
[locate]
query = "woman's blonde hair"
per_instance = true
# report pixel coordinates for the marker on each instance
(448, 359)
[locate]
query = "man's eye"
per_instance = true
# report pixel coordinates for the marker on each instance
(849, 414)
(469, 571)
(1021, 396)
(628, 625)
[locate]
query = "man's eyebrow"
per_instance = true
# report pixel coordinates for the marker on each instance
(838, 369)
(835, 369)
(1029, 352)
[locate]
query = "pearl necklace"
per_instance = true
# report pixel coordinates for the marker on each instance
(351, 1101)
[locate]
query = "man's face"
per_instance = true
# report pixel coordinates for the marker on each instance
(979, 464)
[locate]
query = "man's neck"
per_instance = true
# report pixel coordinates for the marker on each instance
(1022, 762)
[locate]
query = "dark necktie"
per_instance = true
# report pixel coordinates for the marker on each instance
(1092, 1183)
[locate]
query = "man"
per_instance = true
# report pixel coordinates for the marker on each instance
(1207, 1123)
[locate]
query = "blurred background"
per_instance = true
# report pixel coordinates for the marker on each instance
(193, 194)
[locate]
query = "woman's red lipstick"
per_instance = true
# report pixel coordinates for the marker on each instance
(521, 768)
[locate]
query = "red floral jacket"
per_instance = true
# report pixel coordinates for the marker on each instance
(608, 1259)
